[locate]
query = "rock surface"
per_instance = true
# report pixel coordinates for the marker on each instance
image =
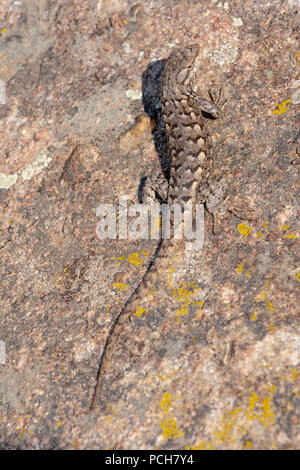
(214, 365)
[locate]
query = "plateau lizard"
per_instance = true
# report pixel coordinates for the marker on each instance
(190, 166)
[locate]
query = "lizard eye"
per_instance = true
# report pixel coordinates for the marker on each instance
(181, 76)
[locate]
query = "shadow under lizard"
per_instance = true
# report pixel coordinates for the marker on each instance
(190, 167)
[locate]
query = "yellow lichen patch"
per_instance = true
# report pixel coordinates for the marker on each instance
(269, 306)
(134, 258)
(161, 377)
(292, 379)
(285, 227)
(240, 268)
(166, 402)
(139, 311)
(119, 259)
(298, 277)
(253, 317)
(183, 294)
(182, 311)
(170, 429)
(271, 327)
(58, 423)
(233, 425)
(264, 227)
(282, 108)
(120, 285)
(168, 423)
(262, 296)
(202, 445)
(244, 230)
(171, 275)
(228, 423)
(260, 408)
(165, 377)
(248, 445)
(291, 235)
(109, 417)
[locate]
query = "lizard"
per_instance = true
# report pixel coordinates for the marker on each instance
(189, 149)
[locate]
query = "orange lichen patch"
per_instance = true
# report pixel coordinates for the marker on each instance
(282, 108)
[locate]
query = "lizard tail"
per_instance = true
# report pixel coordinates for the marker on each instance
(161, 261)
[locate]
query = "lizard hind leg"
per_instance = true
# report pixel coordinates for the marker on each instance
(218, 202)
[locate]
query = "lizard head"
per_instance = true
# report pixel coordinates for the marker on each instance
(180, 66)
